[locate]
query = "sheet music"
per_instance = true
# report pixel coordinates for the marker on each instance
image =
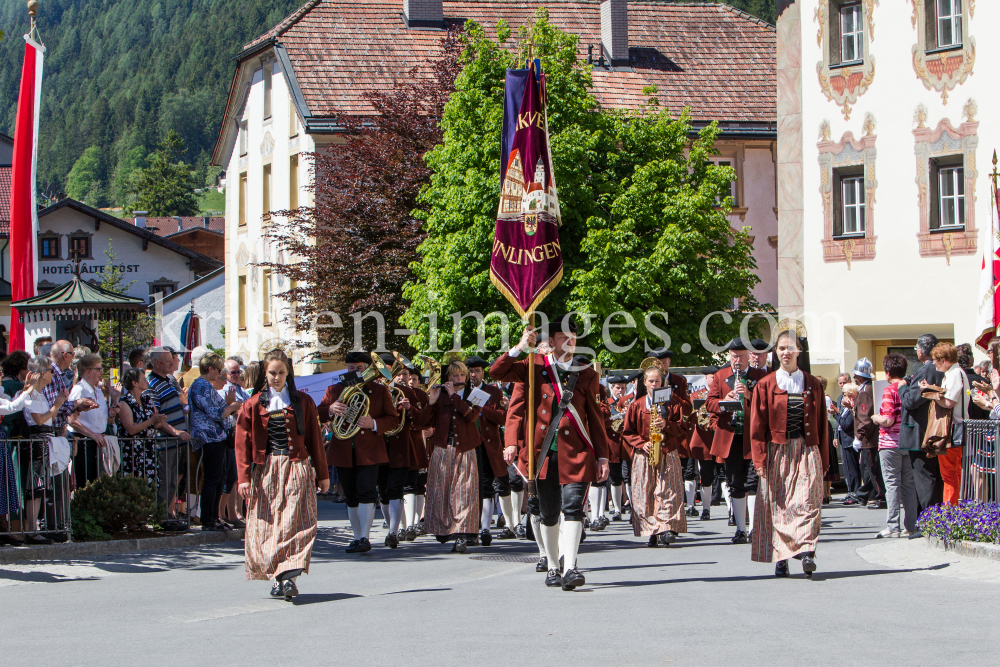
(478, 397)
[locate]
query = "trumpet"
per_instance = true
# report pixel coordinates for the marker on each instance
(345, 426)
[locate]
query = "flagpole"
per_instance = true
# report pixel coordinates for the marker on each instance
(530, 431)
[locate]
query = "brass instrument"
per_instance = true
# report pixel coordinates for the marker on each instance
(655, 435)
(346, 425)
(397, 394)
(618, 416)
(432, 368)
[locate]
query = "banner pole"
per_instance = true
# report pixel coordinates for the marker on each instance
(530, 431)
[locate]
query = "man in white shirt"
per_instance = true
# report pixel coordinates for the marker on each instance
(90, 424)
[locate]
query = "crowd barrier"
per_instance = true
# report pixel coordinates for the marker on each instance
(979, 461)
(36, 484)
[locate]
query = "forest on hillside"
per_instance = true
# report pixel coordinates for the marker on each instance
(120, 74)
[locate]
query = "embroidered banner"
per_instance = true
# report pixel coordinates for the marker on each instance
(526, 262)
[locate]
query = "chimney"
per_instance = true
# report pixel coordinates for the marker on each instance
(140, 218)
(180, 222)
(614, 31)
(423, 13)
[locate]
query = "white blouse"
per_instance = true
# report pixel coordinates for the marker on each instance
(793, 383)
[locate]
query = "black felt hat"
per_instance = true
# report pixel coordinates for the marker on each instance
(358, 357)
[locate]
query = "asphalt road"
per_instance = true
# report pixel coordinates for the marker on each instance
(699, 603)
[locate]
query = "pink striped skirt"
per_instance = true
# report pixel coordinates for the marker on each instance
(281, 517)
(451, 505)
(657, 495)
(787, 518)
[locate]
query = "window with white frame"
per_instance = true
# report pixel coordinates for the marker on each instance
(853, 205)
(949, 23)
(243, 138)
(951, 198)
(851, 33)
(727, 162)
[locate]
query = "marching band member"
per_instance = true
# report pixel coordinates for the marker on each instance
(758, 355)
(578, 453)
(358, 458)
(657, 491)
(452, 509)
(619, 403)
(513, 436)
(494, 479)
(732, 441)
(399, 449)
(701, 449)
(789, 439)
(416, 481)
(280, 464)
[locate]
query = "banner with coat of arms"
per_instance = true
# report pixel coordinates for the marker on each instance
(526, 263)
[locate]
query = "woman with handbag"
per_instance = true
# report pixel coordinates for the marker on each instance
(956, 398)
(897, 470)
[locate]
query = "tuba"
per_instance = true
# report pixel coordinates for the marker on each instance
(397, 394)
(432, 368)
(346, 425)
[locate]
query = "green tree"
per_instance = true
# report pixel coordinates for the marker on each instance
(131, 163)
(623, 178)
(86, 172)
(166, 186)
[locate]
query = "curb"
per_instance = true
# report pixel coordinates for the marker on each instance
(963, 548)
(112, 547)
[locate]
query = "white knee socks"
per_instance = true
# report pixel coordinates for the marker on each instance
(366, 514)
(410, 509)
(725, 494)
(395, 514)
(354, 518)
(508, 512)
(385, 512)
(419, 507)
(690, 487)
(569, 543)
(751, 505)
(706, 497)
(486, 517)
(616, 498)
(602, 501)
(551, 540)
(517, 502)
(595, 498)
(740, 513)
(536, 528)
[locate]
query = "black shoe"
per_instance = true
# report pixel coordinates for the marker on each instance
(851, 500)
(542, 565)
(553, 579)
(572, 579)
(291, 590)
(781, 568)
(827, 500)
(597, 526)
(472, 541)
(391, 541)
(667, 538)
(520, 531)
(276, 590)
(740, 537)
(691, 511)
(586, 522)
(583, 536)
(502, 521)
(411, 533)
(354, 547)
(486, 537)
(732, 520)
(617, 516)
(653, 542)
(459, 547)
(808, 566)
(37, 540)
(420, 529)
(364, 546)
(506, 534)
(706, 515)
(605, 522)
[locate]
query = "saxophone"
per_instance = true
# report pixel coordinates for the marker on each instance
(655, 437)
(345, 426)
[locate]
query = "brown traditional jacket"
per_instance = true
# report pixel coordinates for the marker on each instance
(251, 437)
(492, 417)
(440, 416)
(367, 447)
(418, 446)
(399, 447)
(577, 463)
(768, 414)
(722, 384)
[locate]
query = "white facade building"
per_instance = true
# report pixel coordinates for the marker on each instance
(885, 137)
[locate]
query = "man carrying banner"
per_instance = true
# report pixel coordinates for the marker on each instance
(571, 457)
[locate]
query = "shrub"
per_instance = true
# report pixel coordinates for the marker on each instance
(113, 505)
(971, 520)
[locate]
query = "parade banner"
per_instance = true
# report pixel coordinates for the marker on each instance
(526, 262)
(23, 212)
(988, 317)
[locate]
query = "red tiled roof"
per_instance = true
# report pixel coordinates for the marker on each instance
(165, 226)
(711, 57)
(5, 173)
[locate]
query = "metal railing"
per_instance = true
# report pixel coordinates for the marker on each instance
(35, 495)
(979, 461)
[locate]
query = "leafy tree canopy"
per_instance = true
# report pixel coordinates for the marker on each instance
(641, 231)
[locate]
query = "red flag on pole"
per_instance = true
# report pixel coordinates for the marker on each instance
(988, 317)
(23, 212)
